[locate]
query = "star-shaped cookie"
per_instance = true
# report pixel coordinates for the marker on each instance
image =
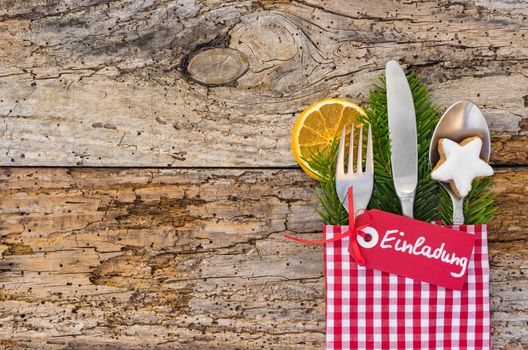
(460, 164)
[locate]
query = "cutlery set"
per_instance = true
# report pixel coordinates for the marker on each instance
(369, 254)
(462, 123)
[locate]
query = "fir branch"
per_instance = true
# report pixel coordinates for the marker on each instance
(432, 202)
(478, 205)
(333, 213)
(323, 163)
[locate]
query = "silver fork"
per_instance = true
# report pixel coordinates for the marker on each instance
(361, 181)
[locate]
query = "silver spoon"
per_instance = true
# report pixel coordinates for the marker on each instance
(462, 120)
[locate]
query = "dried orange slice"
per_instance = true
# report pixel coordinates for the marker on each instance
(320, 124)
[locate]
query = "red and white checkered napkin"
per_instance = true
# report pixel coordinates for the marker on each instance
(370, 309)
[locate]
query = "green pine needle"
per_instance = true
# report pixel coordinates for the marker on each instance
(432, 202)
(478, 205)
(323, 163)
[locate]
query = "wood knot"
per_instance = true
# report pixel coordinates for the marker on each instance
(217, 66)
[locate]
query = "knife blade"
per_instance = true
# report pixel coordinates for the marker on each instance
(403, 138)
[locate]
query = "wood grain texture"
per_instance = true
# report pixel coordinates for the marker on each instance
(193, 259)
(104, 258)
(220, 83)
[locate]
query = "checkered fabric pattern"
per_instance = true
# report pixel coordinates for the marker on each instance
(370, 309)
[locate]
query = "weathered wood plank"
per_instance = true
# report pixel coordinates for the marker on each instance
(217, 83)
(192, 259)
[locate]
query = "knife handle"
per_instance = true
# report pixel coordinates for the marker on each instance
(407, 205)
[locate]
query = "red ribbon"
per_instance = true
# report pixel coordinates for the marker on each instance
(353, 232)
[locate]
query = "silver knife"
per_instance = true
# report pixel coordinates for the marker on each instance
(403, 139)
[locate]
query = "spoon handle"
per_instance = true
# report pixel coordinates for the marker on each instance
(458, 210)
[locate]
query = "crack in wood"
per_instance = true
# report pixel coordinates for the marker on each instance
(126, 252)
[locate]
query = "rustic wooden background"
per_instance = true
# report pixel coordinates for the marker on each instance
(146, 177)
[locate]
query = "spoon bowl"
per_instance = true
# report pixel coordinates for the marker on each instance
(460, 121)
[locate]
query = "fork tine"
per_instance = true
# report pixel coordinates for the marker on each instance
(340, 166)
(351, 152)
(369, 160)
(359, 165)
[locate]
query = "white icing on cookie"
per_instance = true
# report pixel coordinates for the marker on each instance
(462, 165)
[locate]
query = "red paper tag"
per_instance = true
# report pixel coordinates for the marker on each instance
(415, 249)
